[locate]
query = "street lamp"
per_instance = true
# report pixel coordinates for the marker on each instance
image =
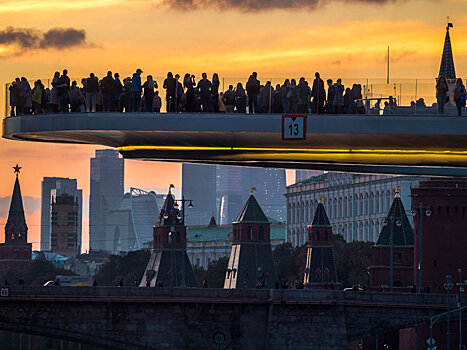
(459, 305)
(181, 216)
(448, 286)
(390, 220)
(182, 212)
(171, 240)
(420, 241)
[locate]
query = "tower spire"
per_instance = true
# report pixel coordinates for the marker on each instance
(16, 227)
(447, 62)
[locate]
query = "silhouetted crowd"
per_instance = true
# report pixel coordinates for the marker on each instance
(110, 94)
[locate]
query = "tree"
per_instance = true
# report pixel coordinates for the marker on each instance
(215, 274)
(129, 267)
(289, 261)
(352, 261)
(37, 272)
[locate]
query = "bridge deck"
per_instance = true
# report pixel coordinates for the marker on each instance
(425, 145)
(226, 296)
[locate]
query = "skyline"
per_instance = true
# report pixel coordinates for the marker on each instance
(287, 42)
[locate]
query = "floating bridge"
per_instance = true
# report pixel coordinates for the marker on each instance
(411, 145)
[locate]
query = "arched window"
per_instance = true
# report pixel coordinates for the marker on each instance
(250, 233)
(317, 235)
(261, 233)
(336, 215)
(360, 210)
(372, 201)
(326, 274)
(377, 203)
(365, 208)
(318, 274)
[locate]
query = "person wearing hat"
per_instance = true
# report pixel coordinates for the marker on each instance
(136, 90)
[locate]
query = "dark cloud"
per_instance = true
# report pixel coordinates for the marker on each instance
(32, 39)
(251, 5)
(63, 37)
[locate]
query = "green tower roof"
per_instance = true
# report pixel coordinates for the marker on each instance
(401, 230)
(320, 218)
(251, 212)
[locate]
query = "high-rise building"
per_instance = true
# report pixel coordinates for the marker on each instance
(64, 225)
(62, 186)
(270, 187)
(199, 185)
(107, 182)
(235, 183)
(130, 226)
(229, 192)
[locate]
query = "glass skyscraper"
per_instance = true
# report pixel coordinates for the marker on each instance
(234, 185)
(107, 183)
(199, 185)
(131, 225)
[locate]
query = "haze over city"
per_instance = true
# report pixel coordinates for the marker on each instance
(339, 39)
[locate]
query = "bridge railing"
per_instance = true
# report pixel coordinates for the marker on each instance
(318, 296)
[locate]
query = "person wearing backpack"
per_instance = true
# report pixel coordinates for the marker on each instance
(107, 86)
(64, 92)
(229, 100)
(459, 96)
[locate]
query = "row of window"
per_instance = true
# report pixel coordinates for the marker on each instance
(347, 206)
(362, 231)
(259, 235)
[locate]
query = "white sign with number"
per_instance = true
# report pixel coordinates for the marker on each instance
(293, 127)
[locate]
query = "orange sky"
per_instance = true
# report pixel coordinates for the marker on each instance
(337, 38)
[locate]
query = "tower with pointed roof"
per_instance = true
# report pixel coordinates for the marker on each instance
(251, 264)
(397, 226)
(446, 68)
(320, 269)
(169, 265)
(16, 251)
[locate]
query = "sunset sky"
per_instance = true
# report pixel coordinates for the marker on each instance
(276, 38)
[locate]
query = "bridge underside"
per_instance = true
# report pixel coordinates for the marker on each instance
(357, 143)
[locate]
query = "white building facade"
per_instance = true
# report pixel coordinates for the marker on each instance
(356, 204)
